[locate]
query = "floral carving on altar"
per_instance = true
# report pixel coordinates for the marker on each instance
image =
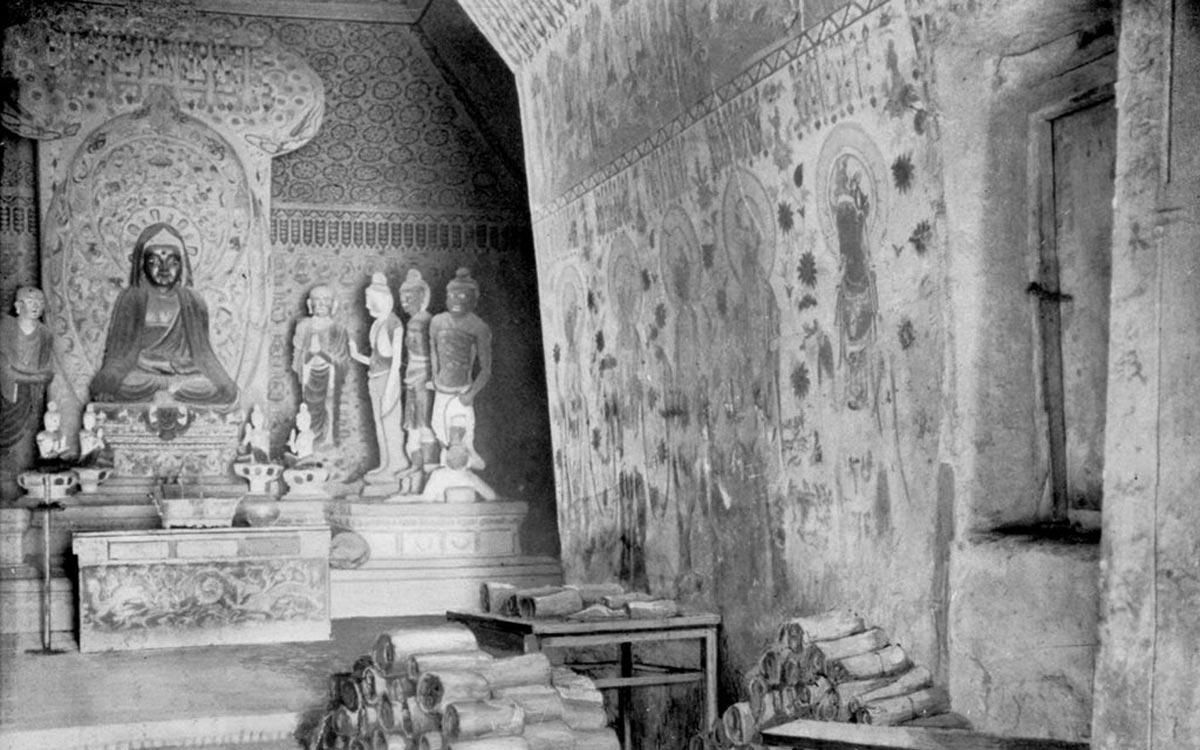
(127, 597)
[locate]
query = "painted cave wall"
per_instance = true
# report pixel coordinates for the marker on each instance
(742, 312)
(783, 252)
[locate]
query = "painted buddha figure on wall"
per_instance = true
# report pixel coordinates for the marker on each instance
(158, 339)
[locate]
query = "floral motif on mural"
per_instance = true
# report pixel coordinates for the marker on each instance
(394, 133)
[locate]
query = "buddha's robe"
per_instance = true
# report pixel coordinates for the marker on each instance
(141, 359)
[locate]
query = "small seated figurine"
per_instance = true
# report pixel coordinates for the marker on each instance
(51, 442)
(453, 474)
(303, 439)
(93, 449)
(256, 441)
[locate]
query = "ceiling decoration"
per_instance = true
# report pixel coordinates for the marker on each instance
(519, 29)
(379, 11)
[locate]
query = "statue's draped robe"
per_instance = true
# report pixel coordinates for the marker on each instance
(140, 360)
(23, 356)
(319, 389)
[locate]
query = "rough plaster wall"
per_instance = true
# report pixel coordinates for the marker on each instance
(745, 393)
(1147, 691)
(1023, 635)
(1023, 610)
(995, 67)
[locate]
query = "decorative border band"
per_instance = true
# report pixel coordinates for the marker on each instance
(787, 53)
(386, 230)
(18, 215)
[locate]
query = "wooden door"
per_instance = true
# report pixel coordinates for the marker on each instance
(1076, 266)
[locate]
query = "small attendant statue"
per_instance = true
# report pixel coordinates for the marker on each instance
(461, 354)
(256, 441)
(51, 442)
(452, 475)
(320, 352)
(26, 349)
(92, 447)
(302, 439)
(386, 339)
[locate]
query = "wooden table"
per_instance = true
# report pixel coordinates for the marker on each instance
(514, 633)
(828, 735)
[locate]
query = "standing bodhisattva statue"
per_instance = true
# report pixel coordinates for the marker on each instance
(386, 339)
(319, 354)
(418, 400)
(461, 355)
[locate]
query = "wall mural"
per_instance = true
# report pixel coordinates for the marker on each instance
(592, 102)
(787, 352)
(395, 132)
(565, 332)
(626, 381)
(853, 213)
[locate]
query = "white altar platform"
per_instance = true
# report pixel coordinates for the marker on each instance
(425, 558)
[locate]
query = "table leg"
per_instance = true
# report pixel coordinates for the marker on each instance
(709, 667)
(625, 697)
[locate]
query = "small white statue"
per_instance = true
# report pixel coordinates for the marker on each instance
(302, 440)
(454, 475)
(51, 441)
(91, 437)
(256, 442)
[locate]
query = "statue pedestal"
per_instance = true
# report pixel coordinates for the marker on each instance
(430, 557)
(419, 530)
(150, 442)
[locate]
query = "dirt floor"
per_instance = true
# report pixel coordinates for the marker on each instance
(244, 697)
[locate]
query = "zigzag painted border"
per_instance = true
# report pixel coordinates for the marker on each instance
(769, 62)
(318, 228)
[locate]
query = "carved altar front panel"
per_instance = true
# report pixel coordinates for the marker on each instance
(153, 589)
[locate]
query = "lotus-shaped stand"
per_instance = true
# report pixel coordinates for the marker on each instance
(258, 475)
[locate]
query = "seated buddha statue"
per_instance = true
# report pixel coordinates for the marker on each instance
(158, 342)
